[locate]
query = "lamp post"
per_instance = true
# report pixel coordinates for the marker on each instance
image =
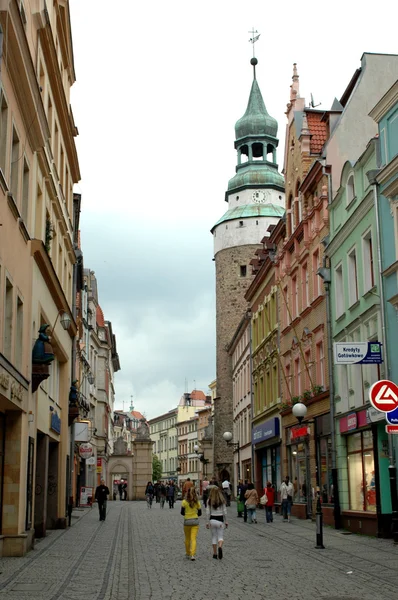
(227, 436)
(325, 274)
(65, 320)
(196, 450)
(299, 411)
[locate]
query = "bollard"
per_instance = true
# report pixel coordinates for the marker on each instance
(319, 524)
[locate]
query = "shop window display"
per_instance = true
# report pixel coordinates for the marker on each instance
(297, 473)
(361, 472)
(325, 462)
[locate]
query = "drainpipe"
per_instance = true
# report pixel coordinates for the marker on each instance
(372, 175)
(249, 317)
(326, 276)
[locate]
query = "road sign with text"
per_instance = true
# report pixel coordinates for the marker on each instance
(383, 395)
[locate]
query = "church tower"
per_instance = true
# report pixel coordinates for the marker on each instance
(256, 200)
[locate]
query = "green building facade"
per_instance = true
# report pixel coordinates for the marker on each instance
(361, 440)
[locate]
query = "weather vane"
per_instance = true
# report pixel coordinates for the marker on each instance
(254, 37)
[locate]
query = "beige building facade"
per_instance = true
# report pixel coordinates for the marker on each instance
(38, 167)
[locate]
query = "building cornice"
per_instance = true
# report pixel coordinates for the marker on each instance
(57, 88)
(38, 252)
(386, 174)
(384, 105)
(17, 57)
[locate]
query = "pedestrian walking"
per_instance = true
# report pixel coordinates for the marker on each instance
(101, 495)
(242, 499)
(191, 511)
(251, 503)
(162, 489)
(125, 490)
(216, 512)
(171, 494)
(270, 491)
(226, 490)
(188, 484)
(287, 491)
(205, 491)
(149, 492)
(120, 489)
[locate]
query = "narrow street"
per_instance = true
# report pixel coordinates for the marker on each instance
(138, 554)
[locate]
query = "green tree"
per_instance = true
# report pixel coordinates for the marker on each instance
(156, 468)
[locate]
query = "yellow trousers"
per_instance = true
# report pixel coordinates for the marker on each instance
(191, 533)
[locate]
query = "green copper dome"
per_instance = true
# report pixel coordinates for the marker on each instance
(251, 210)
(256, 121)
(256, 174)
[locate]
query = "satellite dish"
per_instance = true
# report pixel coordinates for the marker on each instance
(312, 104)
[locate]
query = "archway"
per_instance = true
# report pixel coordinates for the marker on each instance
(120, 469)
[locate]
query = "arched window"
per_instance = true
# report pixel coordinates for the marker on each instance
(350, 188)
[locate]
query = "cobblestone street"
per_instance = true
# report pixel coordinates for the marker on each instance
(139, 554)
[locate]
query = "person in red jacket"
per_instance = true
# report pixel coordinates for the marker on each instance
(270, 491)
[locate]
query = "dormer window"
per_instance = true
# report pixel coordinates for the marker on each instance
(350, 189)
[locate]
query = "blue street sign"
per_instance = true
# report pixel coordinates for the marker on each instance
(392, 417)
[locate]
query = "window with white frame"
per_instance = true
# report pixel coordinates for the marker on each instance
(352, 277)
(315, 276)
(339, 290)
(350, 188)
(368, 266)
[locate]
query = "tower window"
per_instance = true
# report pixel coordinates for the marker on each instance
(237, 198)
(240, 223)
(243, 270)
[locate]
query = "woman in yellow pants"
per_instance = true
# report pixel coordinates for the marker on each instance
(191, 510)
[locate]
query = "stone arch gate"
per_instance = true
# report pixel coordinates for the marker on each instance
(136, 468)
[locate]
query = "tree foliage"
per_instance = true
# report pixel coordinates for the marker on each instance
(156, 468)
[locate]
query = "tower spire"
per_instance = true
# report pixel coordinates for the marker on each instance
(253, 40)
(295, 87)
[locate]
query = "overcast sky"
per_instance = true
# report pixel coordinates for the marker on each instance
(159, 88)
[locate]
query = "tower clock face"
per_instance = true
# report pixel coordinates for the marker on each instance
(260, 196)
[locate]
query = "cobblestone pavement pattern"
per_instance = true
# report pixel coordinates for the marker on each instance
(138, 554)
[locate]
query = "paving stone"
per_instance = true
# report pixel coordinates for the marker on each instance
(138, 554)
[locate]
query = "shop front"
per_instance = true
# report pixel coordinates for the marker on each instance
(309, 460)
(363, 458)
(267, 451)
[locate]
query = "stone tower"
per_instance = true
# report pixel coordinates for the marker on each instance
(256, 200)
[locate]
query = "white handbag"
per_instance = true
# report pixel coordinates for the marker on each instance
(264, 499)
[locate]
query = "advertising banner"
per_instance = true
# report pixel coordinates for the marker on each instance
(357, 353)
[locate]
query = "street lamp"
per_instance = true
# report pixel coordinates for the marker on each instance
(227, 436)
(299, 410)
(65, 320)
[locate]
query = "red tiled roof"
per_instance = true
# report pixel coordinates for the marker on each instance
(318, 129)
(197, 395)
(99, 315)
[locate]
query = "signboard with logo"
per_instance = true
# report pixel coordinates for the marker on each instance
(85, 450)
(99, 465)
(352, 421)
(298, 432)
(55, 422)
(265, 431)
(357, 353)
(383, 396)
